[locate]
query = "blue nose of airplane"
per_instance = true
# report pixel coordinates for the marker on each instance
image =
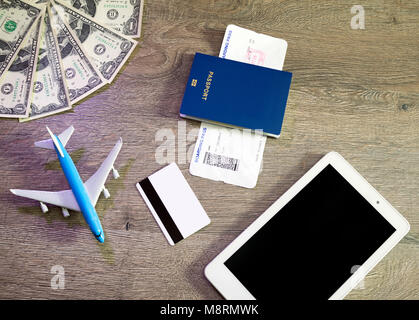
(101, 237)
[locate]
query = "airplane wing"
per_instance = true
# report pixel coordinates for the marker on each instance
(95, 184)
(64, 199)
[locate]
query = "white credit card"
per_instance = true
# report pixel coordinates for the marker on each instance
(235, 156)
(173, 203)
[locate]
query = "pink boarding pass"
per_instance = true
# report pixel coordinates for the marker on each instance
(251, 47)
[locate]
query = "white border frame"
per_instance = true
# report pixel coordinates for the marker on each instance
(231, 288)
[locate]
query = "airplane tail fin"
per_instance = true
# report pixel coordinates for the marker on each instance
(64, 137)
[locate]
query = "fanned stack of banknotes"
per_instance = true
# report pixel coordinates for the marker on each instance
(53, 53)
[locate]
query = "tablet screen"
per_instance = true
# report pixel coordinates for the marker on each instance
(314, 243)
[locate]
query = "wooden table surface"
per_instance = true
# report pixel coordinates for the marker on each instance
(353, 91)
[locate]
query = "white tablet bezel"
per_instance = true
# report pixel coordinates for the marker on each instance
(231, 288)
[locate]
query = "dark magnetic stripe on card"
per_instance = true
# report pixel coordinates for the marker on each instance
(161, 210)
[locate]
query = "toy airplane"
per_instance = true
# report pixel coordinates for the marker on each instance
(81, 196)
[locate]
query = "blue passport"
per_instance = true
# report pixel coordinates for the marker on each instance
(236, 94)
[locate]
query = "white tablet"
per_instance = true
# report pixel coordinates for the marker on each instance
(318, 240)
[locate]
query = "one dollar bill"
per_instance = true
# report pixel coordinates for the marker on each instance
(107, 49)
(82, 78)
(50, 93)
(16, 88)
(124, 16)
(16, 20)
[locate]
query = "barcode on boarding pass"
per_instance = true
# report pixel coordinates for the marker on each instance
(220, 161)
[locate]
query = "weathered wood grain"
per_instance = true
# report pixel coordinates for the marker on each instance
(353, 91)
